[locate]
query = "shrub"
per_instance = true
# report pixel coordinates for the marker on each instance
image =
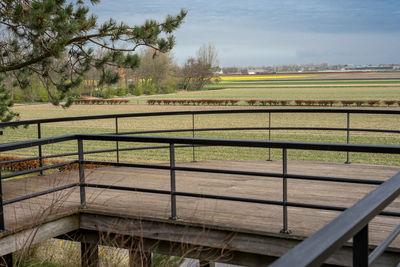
(21, 165)
(373, 102)
(322, 102)
(135, 90)
(168, 86)
(310, 102)
(34, 164)
(119, 92)
(389, 102)
(332, 102)
(284, 102)
(359, 103)
(146, 87)
(252, 102)
(347, 102)
(273, 102)
(299, 102)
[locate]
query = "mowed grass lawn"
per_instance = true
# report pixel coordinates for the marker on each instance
(205, 121)
(358, 86)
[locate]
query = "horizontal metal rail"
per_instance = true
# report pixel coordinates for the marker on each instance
(38, 194)
(36, 142)
(131, 149)
(86, 152)
(200, 112)
(386, 149)
(260, 129)
(262, 174)
(381, 248)
(229, 198)
(26, 159)
(125, 188)
(184, 194)
(235, 172)
(133, 165)
(317, 248)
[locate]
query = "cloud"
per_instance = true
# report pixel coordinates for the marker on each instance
(271, 32)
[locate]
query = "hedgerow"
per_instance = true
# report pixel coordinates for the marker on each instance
(34, 164)
(100, 101)
(271, 102)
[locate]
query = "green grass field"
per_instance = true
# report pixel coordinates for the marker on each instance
(280, 90)
(362, 88)
(205, 121)
(332, 83)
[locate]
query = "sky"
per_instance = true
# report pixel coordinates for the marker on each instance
(275, 32)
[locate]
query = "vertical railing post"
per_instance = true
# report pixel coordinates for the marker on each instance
(2, 226)
(269, 135)
(360, 248)
(285, 229)
(173, 186)
(348, 137)
(39, 134)
(82, 185)
(117, 143)
(194, 156)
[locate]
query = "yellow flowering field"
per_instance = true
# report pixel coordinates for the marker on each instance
(259, 77)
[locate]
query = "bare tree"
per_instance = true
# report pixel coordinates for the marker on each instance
(208, 56)
(197, 72)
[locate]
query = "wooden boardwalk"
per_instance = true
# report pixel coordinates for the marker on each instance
(242, 217)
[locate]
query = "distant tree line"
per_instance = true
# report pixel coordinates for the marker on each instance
(282, 68)
(308, 67)
(156, 73)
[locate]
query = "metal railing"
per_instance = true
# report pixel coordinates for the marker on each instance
(352, 223)
(173, 142)
(268, 128)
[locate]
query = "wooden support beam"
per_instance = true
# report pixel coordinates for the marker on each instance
(250, 249)
(11, 242)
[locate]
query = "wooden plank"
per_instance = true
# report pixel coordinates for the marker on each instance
(241, 217)
(238, 245)
(23, 239)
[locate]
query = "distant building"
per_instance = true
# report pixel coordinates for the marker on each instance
(258, 71)
(219, 72)
(370, 68)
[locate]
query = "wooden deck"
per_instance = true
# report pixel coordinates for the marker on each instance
(243, 217)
